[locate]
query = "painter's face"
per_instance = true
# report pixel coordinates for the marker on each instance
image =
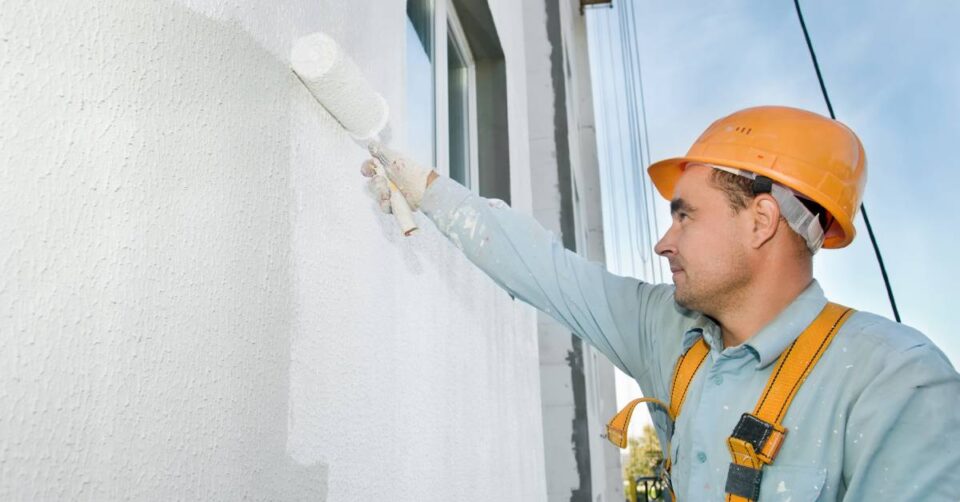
(705, 244)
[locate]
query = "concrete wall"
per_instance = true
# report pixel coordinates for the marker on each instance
(198, 300)
(607, 476)
(577, 382)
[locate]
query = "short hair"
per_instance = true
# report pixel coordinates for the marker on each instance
(739, 192)
(738, 189)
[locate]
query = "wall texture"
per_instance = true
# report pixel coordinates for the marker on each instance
(197, 298)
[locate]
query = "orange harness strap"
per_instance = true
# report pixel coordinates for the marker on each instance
(683, 374)
(758, 436)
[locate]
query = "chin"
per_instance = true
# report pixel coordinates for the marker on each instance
(687, 299)
(682, 298)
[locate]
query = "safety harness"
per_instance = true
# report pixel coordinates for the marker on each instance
(758, 436)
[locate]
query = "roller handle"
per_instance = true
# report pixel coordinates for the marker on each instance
(398, 203)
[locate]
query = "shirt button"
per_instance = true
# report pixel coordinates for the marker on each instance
(701, 457)
(717, 380)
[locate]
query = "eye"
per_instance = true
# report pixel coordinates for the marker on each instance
(682, 215)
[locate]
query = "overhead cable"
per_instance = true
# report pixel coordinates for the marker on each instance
(863, 208)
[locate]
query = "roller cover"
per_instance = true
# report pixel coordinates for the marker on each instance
(336, 82)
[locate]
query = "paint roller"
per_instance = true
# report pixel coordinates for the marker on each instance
(337, 84)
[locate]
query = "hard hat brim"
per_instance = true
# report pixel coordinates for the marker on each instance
(666, 173)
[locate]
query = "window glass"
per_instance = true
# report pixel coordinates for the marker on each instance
(459, 113)
(420, 115)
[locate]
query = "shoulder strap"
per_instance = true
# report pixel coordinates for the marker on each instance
(683, 373)
(758, 436)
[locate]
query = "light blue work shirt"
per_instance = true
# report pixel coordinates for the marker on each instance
(877, 419)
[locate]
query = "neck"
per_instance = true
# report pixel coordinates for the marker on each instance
(759, 304)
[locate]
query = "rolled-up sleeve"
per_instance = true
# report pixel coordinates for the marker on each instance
(615, 314)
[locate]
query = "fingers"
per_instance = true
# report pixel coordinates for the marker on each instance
(369, 168)
(396, 168)
(378, 185)
(393, 170)
(380, 188)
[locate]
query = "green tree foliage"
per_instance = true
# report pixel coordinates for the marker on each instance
(644, 455)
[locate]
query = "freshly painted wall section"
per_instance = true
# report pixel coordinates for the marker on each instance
(199, 301)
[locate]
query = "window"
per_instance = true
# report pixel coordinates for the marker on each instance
(456, 114)
(461, 105)
(420, 113)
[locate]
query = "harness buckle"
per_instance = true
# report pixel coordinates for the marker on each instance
(744, 481)
(765, 437)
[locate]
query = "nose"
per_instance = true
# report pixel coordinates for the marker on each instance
(666, 246)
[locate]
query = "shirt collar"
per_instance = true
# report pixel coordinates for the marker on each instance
(773, 339)
(706, 328)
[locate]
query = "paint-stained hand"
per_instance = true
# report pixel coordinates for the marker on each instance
(410, 179)
(378, 185)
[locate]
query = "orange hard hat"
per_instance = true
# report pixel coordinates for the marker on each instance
(819, 158)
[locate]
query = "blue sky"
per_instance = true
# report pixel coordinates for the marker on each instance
(893, 73)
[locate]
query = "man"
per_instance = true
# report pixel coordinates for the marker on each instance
(761, 191)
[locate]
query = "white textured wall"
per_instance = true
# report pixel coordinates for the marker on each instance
(197, 299)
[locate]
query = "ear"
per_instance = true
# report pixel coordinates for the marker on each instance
(766, 219)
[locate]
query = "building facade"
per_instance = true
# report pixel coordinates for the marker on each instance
(200, 301)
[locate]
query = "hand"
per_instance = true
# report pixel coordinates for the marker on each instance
(409, 178)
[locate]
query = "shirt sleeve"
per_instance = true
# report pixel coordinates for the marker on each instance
(903, 432)
(617, 315)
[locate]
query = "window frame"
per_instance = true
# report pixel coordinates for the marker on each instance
(446, 24)
(456, 34)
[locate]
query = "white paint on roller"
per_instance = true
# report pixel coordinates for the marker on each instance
(336, 82)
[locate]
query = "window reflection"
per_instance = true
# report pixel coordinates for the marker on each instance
(459, 113)
(420, 115)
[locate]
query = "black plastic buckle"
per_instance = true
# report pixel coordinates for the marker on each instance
(744, 481)
(753, 430)
(762, 184)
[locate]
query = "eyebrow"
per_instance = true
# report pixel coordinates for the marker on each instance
(677, 205)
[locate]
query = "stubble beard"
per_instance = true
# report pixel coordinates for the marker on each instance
(717, 291)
